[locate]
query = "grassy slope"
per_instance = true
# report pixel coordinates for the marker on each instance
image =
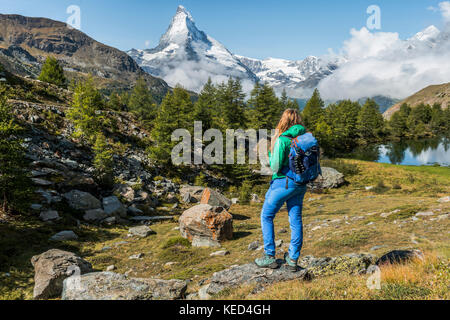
(360, 227)
(429, 95)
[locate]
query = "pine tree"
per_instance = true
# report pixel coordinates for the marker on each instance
(175, 113)
(141, 101)
(265, 107)
(14, 183)
(370, 121)
(231, 105)
(343, 118)
(115, 102)
(206, 105)
(53, 73)
(86, 103)
(418, 119)
(314, 111)
(103, 160)
(438, 121)
(397, 124)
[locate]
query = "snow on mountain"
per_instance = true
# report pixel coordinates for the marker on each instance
(291, 75)
(188, 56)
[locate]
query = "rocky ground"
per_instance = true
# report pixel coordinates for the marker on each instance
(150, 237)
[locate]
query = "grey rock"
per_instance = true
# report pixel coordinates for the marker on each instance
(113, 286)
(255, 198)
(49, 215)
(205, 243)
(195, 193)
(64, 236)
(136, 256)
(94, 215)
(331, 178)
(235, 200)
(83, 201)
(112, 206)
(41, 182)
(51, 268)
(203, 293)
(215, 199)
(133, 211)
(250, 274)
(141, 231)
(253, 246)
(221, 253)
(151, 219)
(278, 243)
(283, 230)
(111, 268)
(399, 256)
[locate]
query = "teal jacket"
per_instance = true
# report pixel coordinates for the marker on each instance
(280, 156)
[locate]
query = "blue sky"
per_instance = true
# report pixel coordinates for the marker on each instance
(290, 29)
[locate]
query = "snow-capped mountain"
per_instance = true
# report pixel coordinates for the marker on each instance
(427, 38)
(187, 56)
(291, 75)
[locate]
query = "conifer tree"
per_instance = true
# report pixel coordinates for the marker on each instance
(53, 73)
(397, 124)
(103, 160)
(231, 105)
(314, 111)
(370, 121)
(265, 107)
(205, 108)
(174, 113)
(83, 111)
(141, 101)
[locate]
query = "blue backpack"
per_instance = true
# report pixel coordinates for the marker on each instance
(304, 159)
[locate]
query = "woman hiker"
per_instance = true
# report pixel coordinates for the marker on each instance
(283, 190)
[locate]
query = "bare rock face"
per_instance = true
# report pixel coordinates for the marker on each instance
(51, 268)
(215, 199)
(113, 286)
(206, 222)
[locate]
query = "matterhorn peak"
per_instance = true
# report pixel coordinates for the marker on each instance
(181, 29)
(182, 11)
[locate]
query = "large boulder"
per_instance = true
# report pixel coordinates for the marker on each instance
(206, 222)
(215, 199)
(191, 194)
(51, 268)
(330, 178)
(83, 201)
(399, 256)
(113, 206)
(113, 286)
(353, 264)
(250, 274)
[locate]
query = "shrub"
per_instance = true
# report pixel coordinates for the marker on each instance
(245, 193)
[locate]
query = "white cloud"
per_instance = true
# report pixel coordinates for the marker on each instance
(445, 10)
(382, 64)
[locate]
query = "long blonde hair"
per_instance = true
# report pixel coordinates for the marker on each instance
(290, 117)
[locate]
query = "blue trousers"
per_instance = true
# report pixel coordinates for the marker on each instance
(275, 198)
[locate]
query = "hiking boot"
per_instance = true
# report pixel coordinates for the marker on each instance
(290, 264)
(267, 262)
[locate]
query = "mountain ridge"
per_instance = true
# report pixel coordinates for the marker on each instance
(42, 37)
